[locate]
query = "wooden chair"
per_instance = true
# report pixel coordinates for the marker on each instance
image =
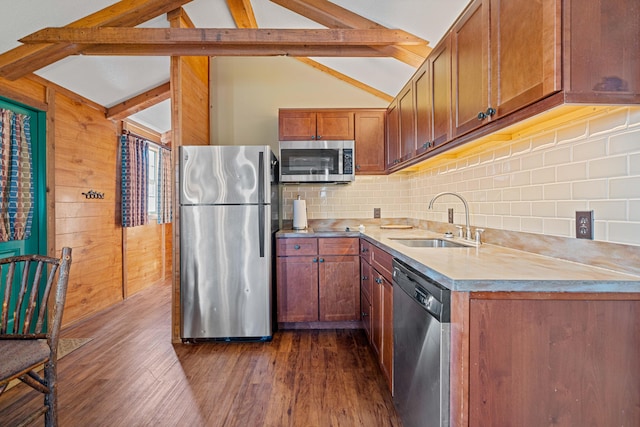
(28, 331)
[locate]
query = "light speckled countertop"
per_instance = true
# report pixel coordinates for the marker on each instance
(488, 267)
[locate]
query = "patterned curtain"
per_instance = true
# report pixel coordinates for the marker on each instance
(16, 176)
(135, 162)
(164, 187)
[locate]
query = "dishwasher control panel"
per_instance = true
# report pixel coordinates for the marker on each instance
(432, 296)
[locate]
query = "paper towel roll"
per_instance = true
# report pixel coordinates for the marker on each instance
(299, 215)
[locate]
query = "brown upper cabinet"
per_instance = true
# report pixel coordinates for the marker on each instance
(505, 61)
(305, 125)
(369, 136)
(506, 56)
(366, 126)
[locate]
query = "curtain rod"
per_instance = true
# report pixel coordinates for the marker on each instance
(128, 132)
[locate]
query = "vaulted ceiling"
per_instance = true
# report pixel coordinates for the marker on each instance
(117, 53)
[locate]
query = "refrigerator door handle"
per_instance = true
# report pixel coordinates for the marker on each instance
(261, 230)
(261, 177)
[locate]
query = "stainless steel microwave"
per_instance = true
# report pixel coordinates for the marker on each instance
(317, 161)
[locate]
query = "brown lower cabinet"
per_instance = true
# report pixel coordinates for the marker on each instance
(317, 280)
(378, 309)
(539, 359)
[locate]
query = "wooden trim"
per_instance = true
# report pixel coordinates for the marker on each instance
(345, 78)
(564, 296)
(139, 102)
(459, 360)
(51, 170)
(141, 130)
(17, 96)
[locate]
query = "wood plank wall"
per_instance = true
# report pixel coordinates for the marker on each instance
(83, 155)
(190, 125)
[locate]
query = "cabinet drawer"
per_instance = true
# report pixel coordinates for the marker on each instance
(338, 246)
(382, 261)
(297, 246)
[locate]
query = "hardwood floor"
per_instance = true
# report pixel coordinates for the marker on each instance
(131, 374)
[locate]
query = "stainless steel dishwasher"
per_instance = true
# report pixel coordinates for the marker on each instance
(421, 332)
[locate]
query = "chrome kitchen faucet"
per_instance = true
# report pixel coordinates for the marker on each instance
(466, 210)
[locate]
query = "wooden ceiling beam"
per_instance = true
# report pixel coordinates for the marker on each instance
(139, 102)
(26, 59)
(242, 13)
(220, 37)
(232, 50)
(333, 16)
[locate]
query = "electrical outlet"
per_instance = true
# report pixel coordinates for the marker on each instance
(376, 212)
(584, 225)
(450, 215)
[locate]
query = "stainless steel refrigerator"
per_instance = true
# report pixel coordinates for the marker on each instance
(229, 213)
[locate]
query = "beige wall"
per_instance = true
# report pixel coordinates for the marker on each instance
(247, 93)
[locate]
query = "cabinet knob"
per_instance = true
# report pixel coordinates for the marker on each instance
(313, 137)
(378, 280)
(358, 167)
(296, 247)
(365, 277)
(364, 314)
(482, 115)
(490, 111)
(427, 144)
(315, 260)
(321, 260)
(319, 137)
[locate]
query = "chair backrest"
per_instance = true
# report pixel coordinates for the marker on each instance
(26, 282)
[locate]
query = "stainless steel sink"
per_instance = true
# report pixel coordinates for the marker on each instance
(428, 243)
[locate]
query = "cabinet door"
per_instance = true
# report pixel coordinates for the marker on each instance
(335, 125)
(365, 313)
(338, 287)
(525, 52)
(406, 108)
(387, 332)
(470, 68)
(369, 130)
(393, 135)
(376, 314)
(424, 126)
(296, 125)
(440, 63)
(297, 289)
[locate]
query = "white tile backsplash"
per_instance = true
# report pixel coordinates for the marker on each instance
(534, 183)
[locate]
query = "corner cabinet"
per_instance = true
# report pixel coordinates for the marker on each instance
(365, 126)
(317, 280)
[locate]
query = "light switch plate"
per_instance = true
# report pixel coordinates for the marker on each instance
(450, 212)
(584, 225)
(376, 212)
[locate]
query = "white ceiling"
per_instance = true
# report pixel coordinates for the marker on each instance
(111, 80)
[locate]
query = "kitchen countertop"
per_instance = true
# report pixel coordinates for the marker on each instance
(487, 267)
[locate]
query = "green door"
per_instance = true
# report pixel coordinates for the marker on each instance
(36, 242)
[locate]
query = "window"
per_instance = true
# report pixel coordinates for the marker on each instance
(152, 187)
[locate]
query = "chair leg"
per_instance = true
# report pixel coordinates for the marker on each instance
(51, 398)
